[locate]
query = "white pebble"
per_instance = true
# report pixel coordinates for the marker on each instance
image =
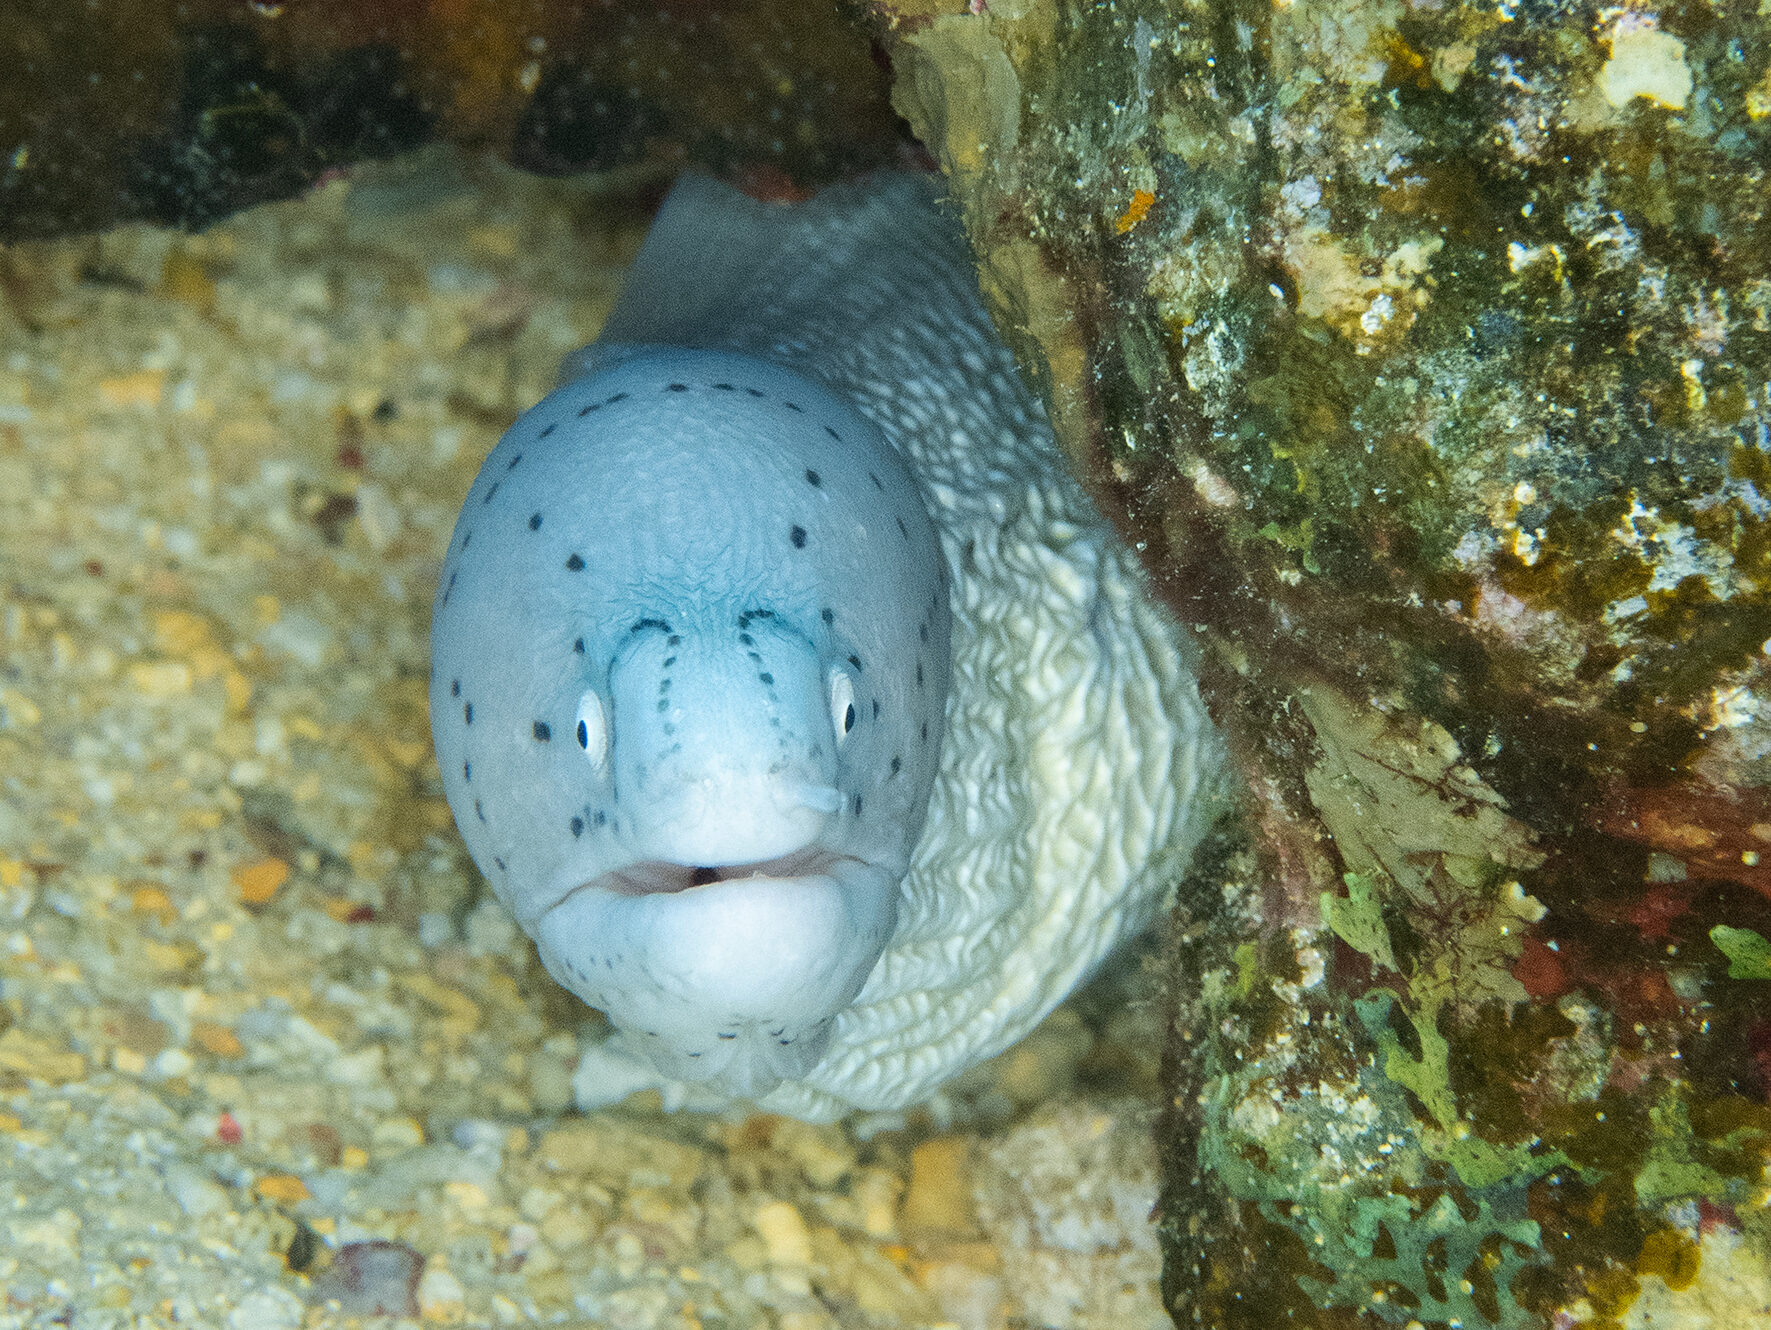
(377, 516)
(197, 1195)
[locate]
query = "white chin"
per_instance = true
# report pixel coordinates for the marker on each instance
(729, 975)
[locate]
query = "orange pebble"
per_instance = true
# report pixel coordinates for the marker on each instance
(284, 1188)
(142, 388)
(258, 882)
(154, 901)
(217, 1039)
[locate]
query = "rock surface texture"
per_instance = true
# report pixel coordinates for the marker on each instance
(1424, 347)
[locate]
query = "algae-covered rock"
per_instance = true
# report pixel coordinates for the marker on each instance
(1425, 349)
(184, 111)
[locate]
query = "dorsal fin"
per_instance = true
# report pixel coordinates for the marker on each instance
(723, 271)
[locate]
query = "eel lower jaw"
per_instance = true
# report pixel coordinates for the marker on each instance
(733, 979)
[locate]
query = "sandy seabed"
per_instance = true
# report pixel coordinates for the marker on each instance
(268, 1057)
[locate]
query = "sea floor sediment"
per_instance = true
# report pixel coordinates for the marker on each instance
(268, 1056)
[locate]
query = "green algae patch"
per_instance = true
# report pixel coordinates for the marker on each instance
(1748, 953)
(1357, 918)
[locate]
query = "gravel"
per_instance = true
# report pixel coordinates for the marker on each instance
(268, 1057)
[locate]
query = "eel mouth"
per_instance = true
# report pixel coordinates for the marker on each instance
(657, 877)
(695, 960)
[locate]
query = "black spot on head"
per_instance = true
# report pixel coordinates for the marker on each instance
(747, 639)
(857, 805)
(798, 537)
(767, 678)
(725, 387)
(467, 771)
(677, 387)
(578, 647)
(813, 478)
(700, 877)
(543, 732)
(669, 661)
(491, 492)
(467, 713)
(877, 484)
(925, 731)
(577, 826)
(833, 434)
(673, 641)
(575, 563)
(903, 530)
(601, 817)
(876, 708)
(513, 462)
(586, 410)
(499, 862)
(546, 430)
(640, 625)
(455, 688)
(754, 392)
(791, 406)
(534, 521)
(828, 615)
(478, 811)
(617, 397)
(897, 765)
(919, 674)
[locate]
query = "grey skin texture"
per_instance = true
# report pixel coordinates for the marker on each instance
(787, 688)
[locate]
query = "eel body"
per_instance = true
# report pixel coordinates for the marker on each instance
(788, 689)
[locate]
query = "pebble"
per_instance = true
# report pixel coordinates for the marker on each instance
(441, 1297)
(784, 1233)
(939, 1201)
(375, 1278)
(39, 1059)
(266, 1309)
(197, 1195)
(1066, 1198)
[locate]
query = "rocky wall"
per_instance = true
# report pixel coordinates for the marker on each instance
(1423, 348)
(184, 111)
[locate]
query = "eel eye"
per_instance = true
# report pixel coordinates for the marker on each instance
(593, 729)
(842, 703)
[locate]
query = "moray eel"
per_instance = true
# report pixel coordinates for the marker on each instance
(786, 686)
